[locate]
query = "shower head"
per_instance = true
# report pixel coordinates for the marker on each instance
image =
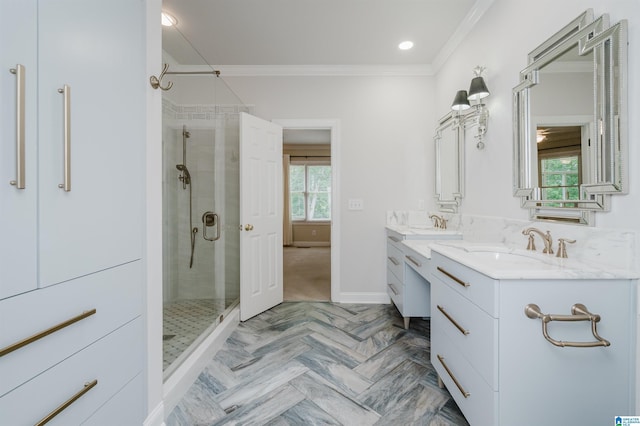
(186, 177)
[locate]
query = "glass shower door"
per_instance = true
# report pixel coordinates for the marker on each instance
(201, 248)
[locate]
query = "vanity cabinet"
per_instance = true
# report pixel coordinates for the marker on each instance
(500, 369)
(72, 117)
(408, 273)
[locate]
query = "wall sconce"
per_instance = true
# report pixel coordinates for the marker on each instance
(477, 91)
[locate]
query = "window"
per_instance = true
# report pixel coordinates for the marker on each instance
(560, 178)
(310, 192)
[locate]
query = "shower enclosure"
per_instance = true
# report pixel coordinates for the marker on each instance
(201, 240)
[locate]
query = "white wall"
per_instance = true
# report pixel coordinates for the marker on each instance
(387, 124)
(501, 41)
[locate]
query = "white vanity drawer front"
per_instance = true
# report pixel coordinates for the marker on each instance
(417, 261)
(480, 289)
(115, 294)
(125, 408)
(395, 261)
(470, 329)
(395, 290)
(395, 238)
(481, 403)
(113, 361)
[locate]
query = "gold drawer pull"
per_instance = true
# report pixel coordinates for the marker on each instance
(412, 260)
(460, 388)
(393, 289)
(393, 260)
(87, 387)
(453, 277)
(454, 322)
(45, 333)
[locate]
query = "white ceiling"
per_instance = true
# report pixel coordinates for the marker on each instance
(318, 33)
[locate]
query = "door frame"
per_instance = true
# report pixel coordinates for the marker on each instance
(333, 125)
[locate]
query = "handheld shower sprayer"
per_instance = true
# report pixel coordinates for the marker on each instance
(185, 177)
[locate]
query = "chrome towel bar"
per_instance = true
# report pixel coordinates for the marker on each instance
(579, 312)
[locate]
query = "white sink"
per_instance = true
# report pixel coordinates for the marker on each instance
(508, 259)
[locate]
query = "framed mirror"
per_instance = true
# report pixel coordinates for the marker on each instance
(569, 110)
(450, 141)
(449, 145)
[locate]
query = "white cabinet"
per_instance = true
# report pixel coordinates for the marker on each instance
(96, 50)
(408, 272)
(71, 278)
(499, 367)
(18, 207)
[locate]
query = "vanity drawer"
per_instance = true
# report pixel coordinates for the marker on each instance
(124, 408)
(469, 328)
(395, 239)
(480, 289)
(115, 294)
(417, 261)
(113, 361)
(481, 403)
(395, 261)
(395, 290)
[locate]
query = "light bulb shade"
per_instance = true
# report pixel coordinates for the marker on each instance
(461, 101)
(478, 89)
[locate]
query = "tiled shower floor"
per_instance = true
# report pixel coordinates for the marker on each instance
(184, 321)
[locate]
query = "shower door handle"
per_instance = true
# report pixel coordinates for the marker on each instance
(210, 219)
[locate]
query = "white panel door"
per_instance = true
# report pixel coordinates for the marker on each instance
(260, 215)
(98, 223)
(18, 202)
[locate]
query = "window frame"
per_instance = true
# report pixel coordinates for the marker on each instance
(306, 163)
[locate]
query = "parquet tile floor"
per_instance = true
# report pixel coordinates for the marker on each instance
(315, 363)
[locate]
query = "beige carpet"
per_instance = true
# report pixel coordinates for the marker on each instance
(307, 273)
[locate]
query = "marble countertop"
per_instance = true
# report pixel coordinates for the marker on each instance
(501, 262)
(422, 230)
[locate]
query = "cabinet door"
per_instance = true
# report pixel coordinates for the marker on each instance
(96, 48)
(18, 264)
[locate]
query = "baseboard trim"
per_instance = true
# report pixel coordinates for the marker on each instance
(311, 244)
(351, 297)
(156, 416)
(186, 374)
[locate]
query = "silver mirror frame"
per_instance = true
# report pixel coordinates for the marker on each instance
(457, 123)
(449, 123)
(609, 45)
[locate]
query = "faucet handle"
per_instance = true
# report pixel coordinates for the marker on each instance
(562, 247)
(443, 223)
(531, 244)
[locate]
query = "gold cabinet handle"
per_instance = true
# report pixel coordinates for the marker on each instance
(248, 227)
(87, 387)
(454, 322)
(393, 260)
(453, 277)
(460, 388)
(20, 161)
(393, 289)
(414, 261)
(40, 335)
(66, 93)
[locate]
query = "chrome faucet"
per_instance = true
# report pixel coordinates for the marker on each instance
(439, 222)
(546, 238)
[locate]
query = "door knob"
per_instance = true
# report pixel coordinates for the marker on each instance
(248, 227)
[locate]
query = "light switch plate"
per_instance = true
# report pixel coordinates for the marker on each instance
(355, 204)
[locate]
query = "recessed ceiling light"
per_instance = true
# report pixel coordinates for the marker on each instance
(405, 45)
(168, 20)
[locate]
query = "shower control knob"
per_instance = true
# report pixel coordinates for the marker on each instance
(248, 227)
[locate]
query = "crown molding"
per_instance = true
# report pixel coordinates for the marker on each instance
(465, 27)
